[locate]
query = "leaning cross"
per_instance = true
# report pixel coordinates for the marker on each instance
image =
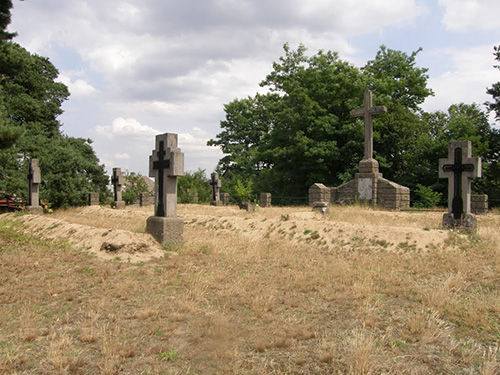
(165, 164)
(367, 112)
(215, 183)
(117, 181)
(33, 182)
(459, 168)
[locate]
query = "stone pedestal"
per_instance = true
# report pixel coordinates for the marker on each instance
(479, 204)
(467, 222)
(319, 193)
(248, 206)
(265, 199)
(119, 205)
(33, 210)
(93, 199)
(143, 199)
(224, 198)
(322, 207)
(165, 230)
(216, 203)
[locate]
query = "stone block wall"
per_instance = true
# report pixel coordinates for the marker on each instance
(392, 196)
(479, 204)
(319, 193)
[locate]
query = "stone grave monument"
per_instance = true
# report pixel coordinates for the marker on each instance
(459, 168)
(117, 180)
(224, 197)
(143, 199)
(166, 164)
(479, 204)
(34, 179)
(369, 186)
(265, 199)
(215, 184)
(94, 199)
(319, 198)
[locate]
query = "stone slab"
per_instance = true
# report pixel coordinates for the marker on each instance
(33, 210)
(467, 223)
(165, 230)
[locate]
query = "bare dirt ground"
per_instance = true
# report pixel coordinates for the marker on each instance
(278, 291)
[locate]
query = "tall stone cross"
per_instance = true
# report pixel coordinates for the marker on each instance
(166, 163)
(117, 181)
(34, 179)
(215, 183)
(367, 112)
(459, 168)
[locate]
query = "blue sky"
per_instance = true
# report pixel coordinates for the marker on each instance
(138, 68)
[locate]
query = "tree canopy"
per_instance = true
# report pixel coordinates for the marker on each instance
(301, 131)
(30, 103)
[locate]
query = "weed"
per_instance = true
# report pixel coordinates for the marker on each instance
(169, 355)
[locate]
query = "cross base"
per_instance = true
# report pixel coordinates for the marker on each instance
(119, 205)
(217, 203)
(368, 166)
(467, 222)
(33, 210)
(165, 230)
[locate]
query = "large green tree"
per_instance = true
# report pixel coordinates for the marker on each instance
(302, 132)
(30, 103)
(494, 90)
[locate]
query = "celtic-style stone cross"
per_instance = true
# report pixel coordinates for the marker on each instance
(165, 164)
(367, 112)
(459, 168)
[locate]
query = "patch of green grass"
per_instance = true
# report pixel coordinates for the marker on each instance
(169, 355)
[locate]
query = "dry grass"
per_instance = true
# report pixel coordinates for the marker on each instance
(241, 297)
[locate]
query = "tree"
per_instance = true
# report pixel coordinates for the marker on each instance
(193, 183)
(494, 91)
(134, 186)
(302, 132)
(30, 102)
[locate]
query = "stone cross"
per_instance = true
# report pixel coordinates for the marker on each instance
(459, 168)
(215, 183)
(117, 181)
(367, 112)
(165, 164)
(34, 180)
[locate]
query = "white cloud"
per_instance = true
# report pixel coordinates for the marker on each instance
(122, 156)
(463, 15)
(471, 74)
(125, 127)
(78, 87)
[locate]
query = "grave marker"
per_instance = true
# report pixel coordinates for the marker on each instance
(459, 168)
(34, 179)
(166, 163)
(117, 180)
(215, 184)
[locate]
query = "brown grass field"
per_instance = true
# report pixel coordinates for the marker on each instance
(280, 291)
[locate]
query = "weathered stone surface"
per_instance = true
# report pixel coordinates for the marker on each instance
(166, 163)
(93, 199)
(319, 193)
(34, 179)
(117, 180)
(479, 204)
(224, 198)
(322, 207)
(215, 184)
(467, 222)
(165, 229)
(143, 199)
(265, 199)
(248, 206)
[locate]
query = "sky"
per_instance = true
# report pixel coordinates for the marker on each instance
(138, 68)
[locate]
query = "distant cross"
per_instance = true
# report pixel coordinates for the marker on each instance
(166, 163)
(216, 184)
(160, 165)
(459, 168)
(117, 181)
(34, 179)
(367, 112)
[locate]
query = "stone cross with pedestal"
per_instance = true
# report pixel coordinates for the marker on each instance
(215, 184)
(117, 180)
(459, 168)
(369, 186)
(166, 164)
(34, 179)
